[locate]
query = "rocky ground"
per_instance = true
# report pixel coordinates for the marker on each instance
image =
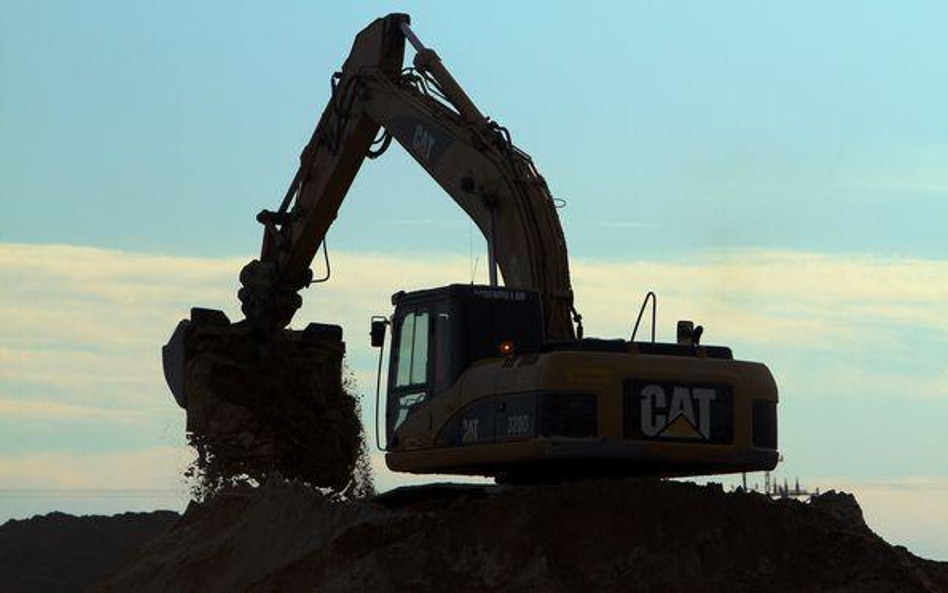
(604, 535)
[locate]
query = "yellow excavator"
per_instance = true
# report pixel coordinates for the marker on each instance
(495, 380)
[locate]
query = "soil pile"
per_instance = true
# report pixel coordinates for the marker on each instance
(59, 552)
(601, 535)
(274, 407)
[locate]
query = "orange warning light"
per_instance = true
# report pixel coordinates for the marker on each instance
(506, 348)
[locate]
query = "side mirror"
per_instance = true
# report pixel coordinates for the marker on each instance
(378, 331)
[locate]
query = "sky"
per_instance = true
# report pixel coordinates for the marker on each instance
(778, 173)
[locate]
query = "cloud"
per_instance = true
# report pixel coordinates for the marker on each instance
(99, 298)
(47, 410)
(158, 468)
(70, 367)
(94, 319)
(81, 328)
(766, 293)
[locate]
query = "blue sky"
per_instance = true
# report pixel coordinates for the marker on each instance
(739, 124)
(778, 172)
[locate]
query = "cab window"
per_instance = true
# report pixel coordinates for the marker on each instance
(419, 350)
(411, 368)
(413, 350)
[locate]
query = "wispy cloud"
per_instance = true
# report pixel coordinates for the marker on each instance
(128, 469)
(47, 411)
(81, 328)
(91, 318)
(774, 296)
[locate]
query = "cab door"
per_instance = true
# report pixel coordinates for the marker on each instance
(409, 371)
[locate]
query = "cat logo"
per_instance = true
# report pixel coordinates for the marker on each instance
(685, 415)
(426, 141)
(469, 430)
(422, 142)
(666, 411)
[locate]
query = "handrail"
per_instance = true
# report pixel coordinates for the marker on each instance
(642, 310)
(378, 386)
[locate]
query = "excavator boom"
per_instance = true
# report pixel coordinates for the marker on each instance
(472, 159)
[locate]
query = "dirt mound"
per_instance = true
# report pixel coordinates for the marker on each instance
(600, 535)
(259, 408)
(60, 552)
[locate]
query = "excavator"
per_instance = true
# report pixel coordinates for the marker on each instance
(498, 379)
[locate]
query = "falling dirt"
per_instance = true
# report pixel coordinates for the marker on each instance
(599, 535)
(274, 408)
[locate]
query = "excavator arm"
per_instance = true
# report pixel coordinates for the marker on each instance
(472, 159)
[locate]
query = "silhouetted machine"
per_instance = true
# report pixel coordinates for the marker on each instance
(497, 380)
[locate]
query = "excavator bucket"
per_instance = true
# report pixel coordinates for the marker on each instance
(258, 404)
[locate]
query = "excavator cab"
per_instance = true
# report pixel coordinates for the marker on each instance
(474, 387)
(438, 333)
